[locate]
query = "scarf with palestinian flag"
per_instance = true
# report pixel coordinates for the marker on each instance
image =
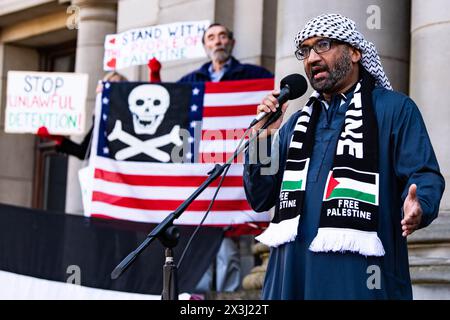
(349, 214)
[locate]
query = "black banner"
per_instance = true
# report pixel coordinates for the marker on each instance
(45, 245)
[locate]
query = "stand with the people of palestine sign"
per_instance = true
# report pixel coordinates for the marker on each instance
(168, 42)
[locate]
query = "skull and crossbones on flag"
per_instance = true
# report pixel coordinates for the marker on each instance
(142, 121)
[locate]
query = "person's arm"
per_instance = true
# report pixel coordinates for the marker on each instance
(67, 146)
(415, 164)
(261, 183)
(262, 177)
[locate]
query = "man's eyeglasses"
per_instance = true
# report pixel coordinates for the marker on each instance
(321, 46)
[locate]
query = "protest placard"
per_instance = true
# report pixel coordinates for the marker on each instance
(55, 100)
(175, 41)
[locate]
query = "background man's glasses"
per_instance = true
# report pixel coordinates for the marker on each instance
(321, 46)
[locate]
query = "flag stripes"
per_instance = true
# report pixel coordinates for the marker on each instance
(149, 191)
(352, 184)
(228, 106)
(291, 185)
(230, 111)
(161, 181)
(361, 176)
(150, 198)
(226, 123)
(228, 134)
(294, 175)
(171, 205)
(166, 192)
(240, 86)
(215, 218)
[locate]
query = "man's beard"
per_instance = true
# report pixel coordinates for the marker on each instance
(221, 54)
(341, 69)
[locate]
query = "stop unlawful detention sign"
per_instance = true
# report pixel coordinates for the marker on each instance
(55, 100)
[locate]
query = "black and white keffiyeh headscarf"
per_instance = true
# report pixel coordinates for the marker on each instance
(336, 26)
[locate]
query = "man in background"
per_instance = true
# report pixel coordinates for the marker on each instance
(218, 42)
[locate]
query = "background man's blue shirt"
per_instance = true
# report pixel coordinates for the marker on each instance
(236, 71)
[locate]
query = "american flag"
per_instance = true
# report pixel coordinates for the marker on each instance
(142, 188)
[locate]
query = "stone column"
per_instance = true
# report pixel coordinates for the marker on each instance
(430, 51)
(254, 27)
(429, 259)
(133, 14)
(97, 19)
(17, 156)
(248, 30)
(187, 10)
(385, 23)
(429, 248)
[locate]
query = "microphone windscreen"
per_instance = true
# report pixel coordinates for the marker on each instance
(297, 85)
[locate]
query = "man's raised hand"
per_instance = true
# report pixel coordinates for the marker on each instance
(412, 212)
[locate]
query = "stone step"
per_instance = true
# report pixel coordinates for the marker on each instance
(437, 231)
(429, 259)
(430, 270)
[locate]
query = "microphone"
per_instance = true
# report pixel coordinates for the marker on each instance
(292, 87)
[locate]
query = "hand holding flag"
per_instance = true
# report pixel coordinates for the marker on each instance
(44, 134)
(154, 67)
(412, 212)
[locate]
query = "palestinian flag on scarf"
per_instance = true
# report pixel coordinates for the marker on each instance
(351, 184)
(295, 175)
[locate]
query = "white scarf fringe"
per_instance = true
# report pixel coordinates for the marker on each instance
(340, 240)
(278, 233)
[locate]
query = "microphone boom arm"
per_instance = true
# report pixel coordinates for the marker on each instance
(159, 230)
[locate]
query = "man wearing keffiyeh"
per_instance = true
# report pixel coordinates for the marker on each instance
(357, 175)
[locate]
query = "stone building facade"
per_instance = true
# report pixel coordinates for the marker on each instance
(62, 35)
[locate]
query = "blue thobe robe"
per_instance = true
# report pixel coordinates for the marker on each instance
(406, 156)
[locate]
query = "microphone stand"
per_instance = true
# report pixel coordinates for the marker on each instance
(169, 234)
